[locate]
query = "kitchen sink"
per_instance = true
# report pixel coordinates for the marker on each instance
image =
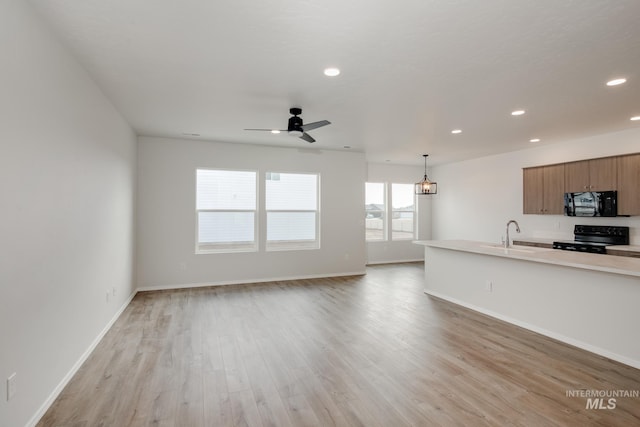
(510, 249)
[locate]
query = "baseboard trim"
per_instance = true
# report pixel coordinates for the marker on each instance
(559, 337)
(244, 282)
(65, 380)
(397, 261)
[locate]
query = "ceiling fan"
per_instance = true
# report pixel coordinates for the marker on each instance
(296, 126)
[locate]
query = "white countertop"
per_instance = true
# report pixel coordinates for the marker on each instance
(606, 263)
(627, 248)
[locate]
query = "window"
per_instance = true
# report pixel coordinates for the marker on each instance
(401, 211)
(291, 202)
(226, 211)
(375, 211)
(402, 203)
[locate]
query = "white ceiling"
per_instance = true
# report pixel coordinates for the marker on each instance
(412, 70)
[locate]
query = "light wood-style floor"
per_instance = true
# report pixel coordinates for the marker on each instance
(370, 350)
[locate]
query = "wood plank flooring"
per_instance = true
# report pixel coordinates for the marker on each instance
(369, 350)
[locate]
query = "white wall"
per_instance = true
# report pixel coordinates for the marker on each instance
(66, 226)
(476, 198)
(380, 252)
(166, 214)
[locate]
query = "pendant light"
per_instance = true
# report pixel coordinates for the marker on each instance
(425, 186)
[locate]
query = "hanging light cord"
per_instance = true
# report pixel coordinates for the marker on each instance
(425, 165)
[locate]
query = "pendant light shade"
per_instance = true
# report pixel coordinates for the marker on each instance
(425, 186)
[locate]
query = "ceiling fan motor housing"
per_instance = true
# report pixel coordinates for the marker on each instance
(295, 125)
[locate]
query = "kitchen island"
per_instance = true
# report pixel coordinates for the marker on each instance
(587, 300)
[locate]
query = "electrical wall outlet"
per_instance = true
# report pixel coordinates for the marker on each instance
(11, 386)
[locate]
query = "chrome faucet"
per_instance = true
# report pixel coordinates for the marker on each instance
(506, 242)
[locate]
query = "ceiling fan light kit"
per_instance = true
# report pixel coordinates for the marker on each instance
(296, 126)
(426, 187)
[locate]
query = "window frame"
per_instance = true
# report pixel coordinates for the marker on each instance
(292, 245)
(387, 223)
(227, 247)
(413, 213)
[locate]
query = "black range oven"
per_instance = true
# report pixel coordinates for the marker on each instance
(594, 238)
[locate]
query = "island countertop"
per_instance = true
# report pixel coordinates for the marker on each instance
(605, 263)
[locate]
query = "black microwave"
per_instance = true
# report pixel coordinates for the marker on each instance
(591, 203)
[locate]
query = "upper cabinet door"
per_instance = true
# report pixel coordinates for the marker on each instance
(576, 177)
(603, 174)
(629, 185)
(532, 189)
(591, 175)
(543, 190)
(553, 183)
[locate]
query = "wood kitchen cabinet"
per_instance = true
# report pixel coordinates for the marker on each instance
(591, 175)
(544, 186)
(628, 184)
(532, 190)
(543, 190)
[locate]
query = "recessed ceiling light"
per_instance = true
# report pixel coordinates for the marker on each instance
(347, 146)
(190, 134)
(456, 131)
(331, 72)
(517, 113)
(616, 82)
(635, 118)
(534, 140)
(275, 131)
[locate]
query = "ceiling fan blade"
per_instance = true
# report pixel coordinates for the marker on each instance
(268, 130)
(307, 137)
(315, 125)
